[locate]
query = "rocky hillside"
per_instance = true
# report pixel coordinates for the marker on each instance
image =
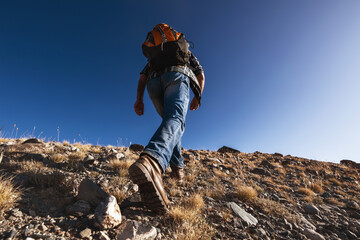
(51, 190)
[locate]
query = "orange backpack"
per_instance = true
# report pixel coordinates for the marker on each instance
(165, 47)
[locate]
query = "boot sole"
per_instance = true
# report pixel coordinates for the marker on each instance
(150, 195)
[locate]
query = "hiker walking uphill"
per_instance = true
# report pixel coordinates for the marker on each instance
(169, 74)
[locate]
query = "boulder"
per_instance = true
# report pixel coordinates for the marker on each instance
(261, 171)
(91, 193)
(108, 214)
(225, 149)
(135, 231)
(32, 140)
(311, 209)
(78, 209)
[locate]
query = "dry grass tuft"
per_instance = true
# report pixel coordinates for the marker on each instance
(336, 182)
(220, 174)
(245, 193)
(9, 194)
(119, 164)
(275, 209)
(316, 187)
(187, 221)
(77, 156)
(194, 202)
(58, 158)
(306, 191)
(334, 201)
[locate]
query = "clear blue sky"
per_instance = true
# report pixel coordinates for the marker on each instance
(281, 76)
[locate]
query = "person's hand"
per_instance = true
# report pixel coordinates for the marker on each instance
(194, 104)
(139, 107)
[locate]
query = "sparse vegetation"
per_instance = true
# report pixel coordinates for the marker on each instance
(58, 158)
(245, 193)
(9, 194)
(187, 221)
(199, 205)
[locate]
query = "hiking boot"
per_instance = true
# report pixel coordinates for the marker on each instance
(146, 173)
(177, 173)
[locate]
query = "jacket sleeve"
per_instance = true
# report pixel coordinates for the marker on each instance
(195, 65)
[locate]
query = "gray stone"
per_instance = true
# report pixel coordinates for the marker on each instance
(261, 171)
(78, 209)
(307, 223)
(311, 234)
(108, 214)
(32, 140)
(352, 204)
(91, 193)
(246, 217)
(135, 231)
(311, 209)
(86, 233)
(32, 213)
(225, 149)
(16, 212)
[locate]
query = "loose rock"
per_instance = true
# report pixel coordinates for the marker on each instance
(246, 217)
(313, 235)
(91, 193)
(108, 214)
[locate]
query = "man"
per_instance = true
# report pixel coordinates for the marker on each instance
(169, 89)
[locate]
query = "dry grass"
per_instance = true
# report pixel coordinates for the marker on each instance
(245, 193)
(306, 191)
(220, 174)
(336, 182)
(9, 194)
(58, 158)
(77, 156)
(5, 140)
(187, 221)
(316, 187)
(334, 201)
(119, 164)
(275, 209)
(83, 147)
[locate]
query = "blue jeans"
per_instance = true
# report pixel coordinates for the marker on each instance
(170, 95)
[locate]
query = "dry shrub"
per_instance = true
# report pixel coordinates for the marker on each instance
(58, 158)
(119, 164)
(316, 187)
(245, 193)
(194, 202)
(187, 221)
(306, 191)
(275, 209)
(9, 194)
(77, 156)
(66, 143)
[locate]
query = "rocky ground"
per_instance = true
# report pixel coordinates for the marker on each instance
(60, 189)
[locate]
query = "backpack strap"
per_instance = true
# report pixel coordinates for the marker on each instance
(164, 40)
